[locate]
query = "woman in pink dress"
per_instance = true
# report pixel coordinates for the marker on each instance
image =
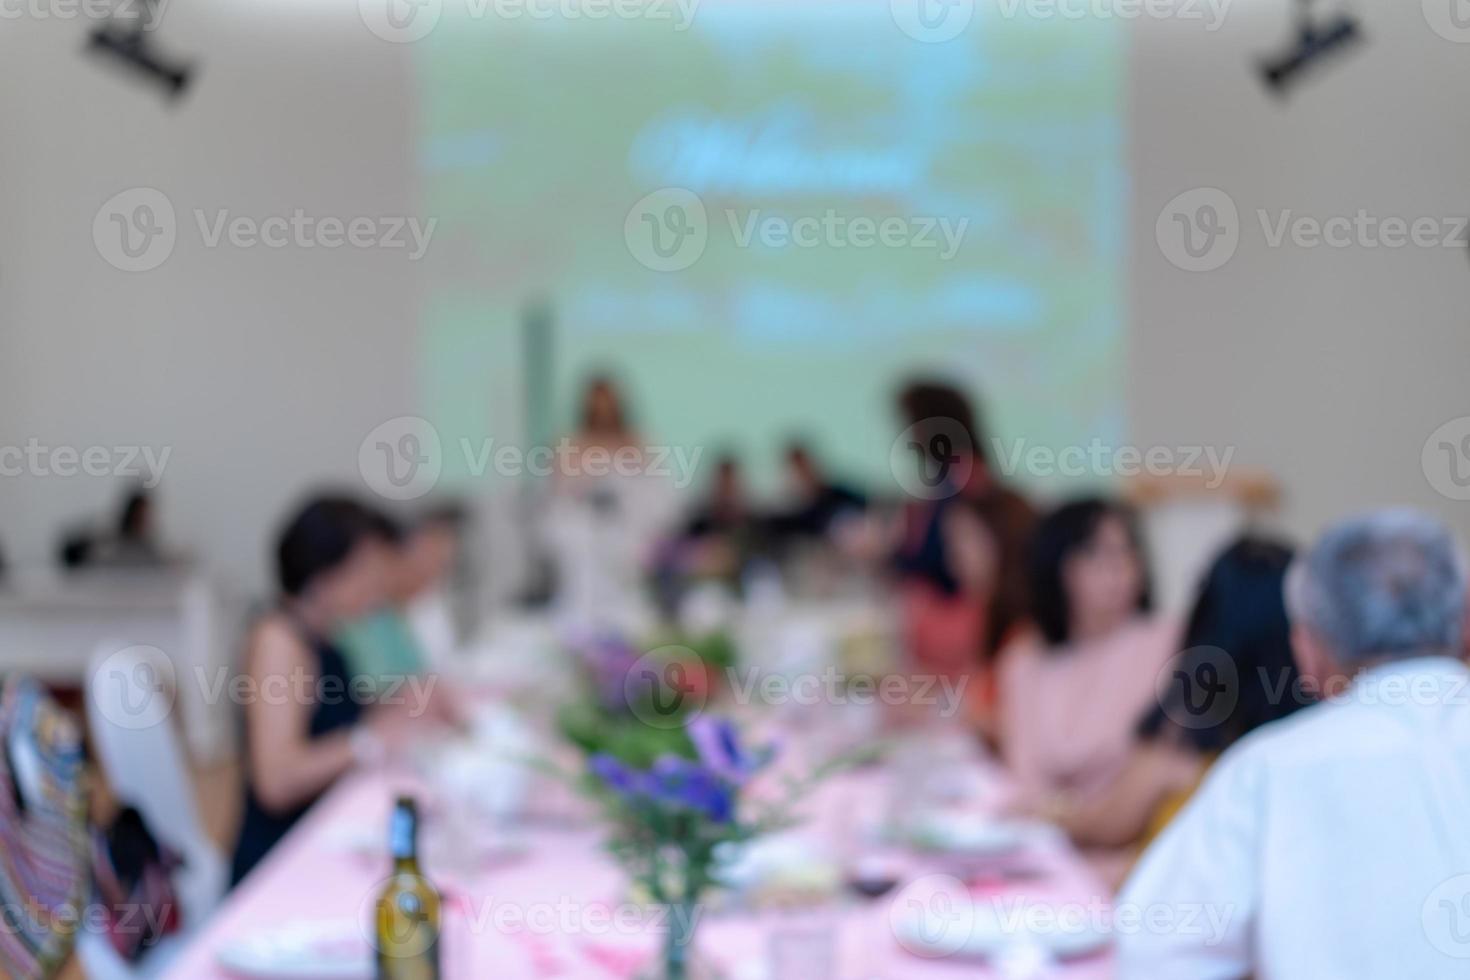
(1073, 688)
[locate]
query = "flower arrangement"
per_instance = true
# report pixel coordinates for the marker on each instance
(670, 819)
(633, 706)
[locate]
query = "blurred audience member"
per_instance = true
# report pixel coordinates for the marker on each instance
(727, 508)
(1359, 799)
(961, 545)
(306, 723)
(604, 423)
(132, 542)
(384, 645)
(724, 529)
(1071, 693)
(432, 551)
(816, 499)
(1235, 673)
(380, 645)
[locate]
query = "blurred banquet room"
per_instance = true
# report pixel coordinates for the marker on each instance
(734, 490)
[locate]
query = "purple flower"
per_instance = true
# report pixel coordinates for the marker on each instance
(688, 784)
(618, 777)
(607, 659)
(717, 742)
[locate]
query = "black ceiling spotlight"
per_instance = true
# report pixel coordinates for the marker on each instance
(127, 44)
(1315, 39)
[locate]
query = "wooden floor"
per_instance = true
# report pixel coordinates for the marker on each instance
(217, 790)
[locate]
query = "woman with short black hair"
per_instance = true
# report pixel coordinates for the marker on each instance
(305, 722)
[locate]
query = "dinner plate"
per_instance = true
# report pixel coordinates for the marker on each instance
(991, 929)
(328, 950)
(969, 835)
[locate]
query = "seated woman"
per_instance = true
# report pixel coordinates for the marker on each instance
(306, 726)
(959, 543)
(1072, 690)
(1236, 673)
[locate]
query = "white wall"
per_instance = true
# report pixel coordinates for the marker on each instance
(1329, 367)
(264, 369)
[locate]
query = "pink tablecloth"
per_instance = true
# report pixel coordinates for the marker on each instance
(549, 913)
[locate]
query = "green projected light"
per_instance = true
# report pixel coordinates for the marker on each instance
(764, 217)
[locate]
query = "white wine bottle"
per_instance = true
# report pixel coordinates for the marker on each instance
(408, 907)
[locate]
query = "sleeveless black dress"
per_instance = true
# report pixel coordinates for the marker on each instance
(333, 709)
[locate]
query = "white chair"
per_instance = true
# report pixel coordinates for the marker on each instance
(131, 692)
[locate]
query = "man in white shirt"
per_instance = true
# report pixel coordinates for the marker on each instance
(1335, 844)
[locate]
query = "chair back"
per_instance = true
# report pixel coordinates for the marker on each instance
(131, 694)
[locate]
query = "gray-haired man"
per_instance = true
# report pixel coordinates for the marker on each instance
(1334, 844)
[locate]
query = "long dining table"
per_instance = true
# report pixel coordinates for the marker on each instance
(559, 907)
(538, 896)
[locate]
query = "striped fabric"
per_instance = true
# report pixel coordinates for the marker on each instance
(43, 839)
